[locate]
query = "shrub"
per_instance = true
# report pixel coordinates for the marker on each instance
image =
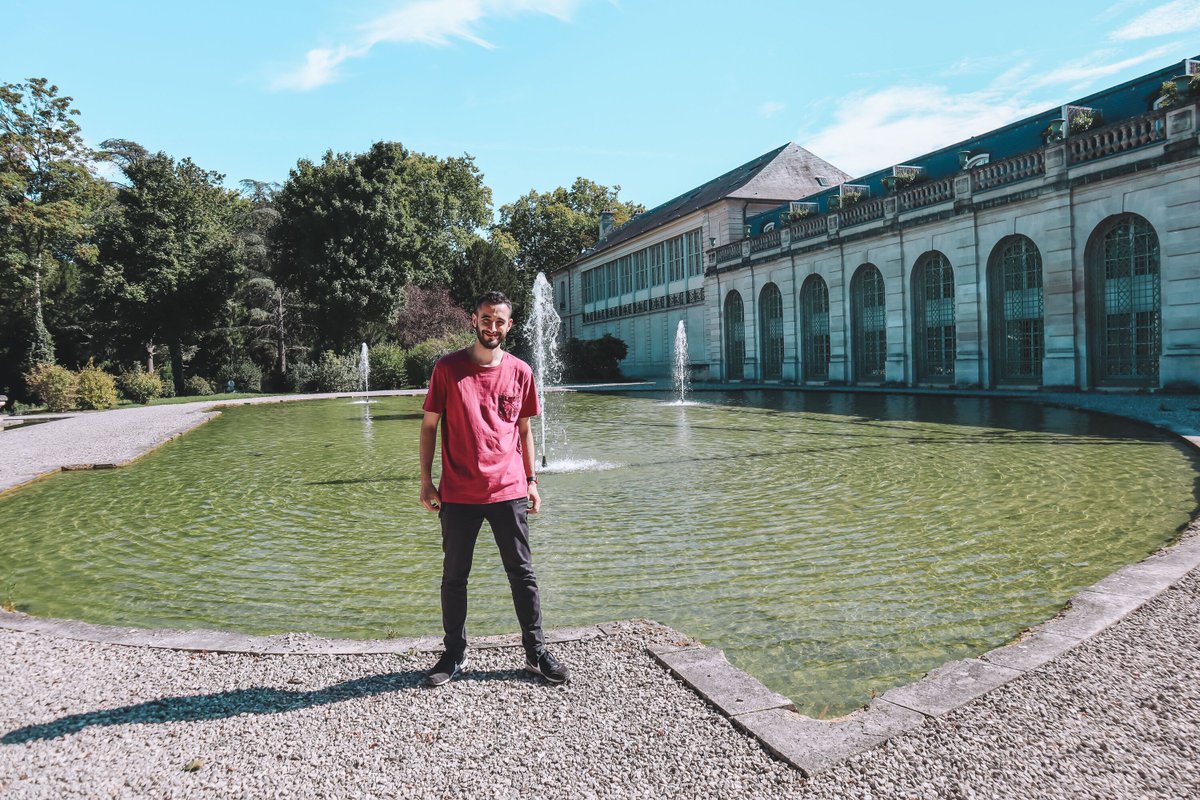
(595, 359)
(97, 389)
(387, 367)
(428, 314)
(140, 386)
(55, 386)
(167, 380)
(246, 376)
(332, 373)
(197, 386)
(419, 361)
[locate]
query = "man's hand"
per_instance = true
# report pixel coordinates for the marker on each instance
(430, 498)
(535, 499)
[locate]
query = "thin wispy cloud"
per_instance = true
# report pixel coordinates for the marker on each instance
(1097, 66)
(770, 109)
(435, 23)
(1168, 19)
(872, 130)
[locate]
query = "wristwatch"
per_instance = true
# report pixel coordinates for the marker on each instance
(532, 479)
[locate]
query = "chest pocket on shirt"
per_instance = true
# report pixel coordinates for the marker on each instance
(510, 406)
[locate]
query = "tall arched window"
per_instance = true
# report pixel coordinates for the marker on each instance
(933, 314)
(1017, 325)
(735, 337)
(814, 321)
(770, 322)
(1125, 324)
(868, 318)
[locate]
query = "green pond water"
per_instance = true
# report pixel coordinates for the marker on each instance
(832, 544)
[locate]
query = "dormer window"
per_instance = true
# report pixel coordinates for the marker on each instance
(821, 181)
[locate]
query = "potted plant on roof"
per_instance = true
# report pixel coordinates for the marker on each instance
(852, 196)
(1080, 119)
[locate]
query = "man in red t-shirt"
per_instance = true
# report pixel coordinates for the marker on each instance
(482, 398)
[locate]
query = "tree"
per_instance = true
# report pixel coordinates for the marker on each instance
(429, 314)
(490, 266)
(47, 199)
(170, 257)
(273, 312)
(552, 229)
(354, 230)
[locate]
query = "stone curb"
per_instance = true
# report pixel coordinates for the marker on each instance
(811, 745)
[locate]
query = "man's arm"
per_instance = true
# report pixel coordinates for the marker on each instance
(429, 492)
(529, 456)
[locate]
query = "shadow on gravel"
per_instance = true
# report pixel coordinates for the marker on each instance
(257, 700)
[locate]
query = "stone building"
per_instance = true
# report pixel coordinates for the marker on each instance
(1062, 250)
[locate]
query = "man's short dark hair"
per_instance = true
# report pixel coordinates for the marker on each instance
(493, 299)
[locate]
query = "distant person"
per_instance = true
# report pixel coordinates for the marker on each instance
(483, 398)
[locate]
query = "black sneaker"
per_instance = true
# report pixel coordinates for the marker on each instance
(549, 668)
(445, 670)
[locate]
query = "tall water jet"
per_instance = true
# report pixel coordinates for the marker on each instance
(680, 372)
(542, 331)
(364, 372)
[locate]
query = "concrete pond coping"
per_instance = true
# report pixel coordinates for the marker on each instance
(807, 744)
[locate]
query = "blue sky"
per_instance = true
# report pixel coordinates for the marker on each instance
(657, 96)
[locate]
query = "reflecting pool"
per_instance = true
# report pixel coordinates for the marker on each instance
(832, 544)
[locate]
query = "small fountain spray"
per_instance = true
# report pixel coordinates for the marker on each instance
(542, 329)
(679, 373)
(364, 372)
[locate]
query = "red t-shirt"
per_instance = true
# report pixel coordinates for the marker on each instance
(481, 444)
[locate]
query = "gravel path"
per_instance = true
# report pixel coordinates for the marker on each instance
(1116, 717)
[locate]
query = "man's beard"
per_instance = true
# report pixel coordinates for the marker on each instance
(500, 335)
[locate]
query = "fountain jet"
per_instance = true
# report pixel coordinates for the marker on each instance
(679, 373)
(542, 330)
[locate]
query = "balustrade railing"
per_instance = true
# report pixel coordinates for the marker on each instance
(766, 241)
(729, 252)
(1117, 138)
(809, 226)
(926, 194)
(1122, 136)
(1010, 170)
(860, 213)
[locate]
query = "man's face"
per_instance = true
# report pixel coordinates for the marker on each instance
(491, 324)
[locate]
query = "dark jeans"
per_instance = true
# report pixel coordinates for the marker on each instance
(510, 528)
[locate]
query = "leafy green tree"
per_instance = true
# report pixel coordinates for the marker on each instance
(553, 228)
(170, 257)
(273, 313)
(354, 230)
(490, 265)
(48, 198)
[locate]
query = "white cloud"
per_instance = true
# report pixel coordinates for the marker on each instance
(770, 108)
(875, 130)
(1164, 20)
(872, 130)
(1095, 67)
(429, 22)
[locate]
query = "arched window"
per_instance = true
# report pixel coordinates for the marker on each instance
(933, 314)
(1125, 325)
(868, 315)
(770, 322)
(814, 321)
(735, 337)
(1017, 325)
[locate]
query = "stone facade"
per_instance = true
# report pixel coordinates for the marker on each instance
(1124, 197)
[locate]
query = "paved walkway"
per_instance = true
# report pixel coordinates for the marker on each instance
(1117, 716)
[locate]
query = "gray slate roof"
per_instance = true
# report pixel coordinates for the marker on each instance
(783, 174)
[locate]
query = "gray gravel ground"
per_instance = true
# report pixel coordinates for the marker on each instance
(1117, 717)
(91, 720)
